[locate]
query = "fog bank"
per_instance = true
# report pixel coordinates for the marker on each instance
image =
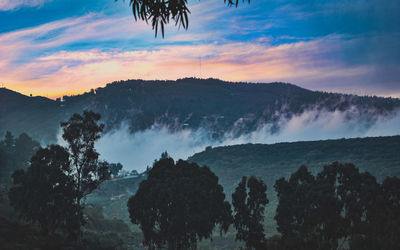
(138, 150)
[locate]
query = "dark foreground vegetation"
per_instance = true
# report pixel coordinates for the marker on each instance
(44, 207)
(180, 205)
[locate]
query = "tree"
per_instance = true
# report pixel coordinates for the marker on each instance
(58, 178)
(3, 165)
(81, 132)
(178, 204)
(297, 210)
(25, 148)
(8, 162)
(340, 206)
(379, 226)
(249, 201)
(115, 168)
(15, 154)
(9, 141)
(160, 12)
(337, 195)
(386, 216)
(357, 194)
(45, 193)
(164, 155)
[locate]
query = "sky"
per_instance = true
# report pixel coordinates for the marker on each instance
(62, 47)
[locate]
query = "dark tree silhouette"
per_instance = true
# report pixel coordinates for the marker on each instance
(3, 165)
(384, 226)
(15, 154)
(249, 201)
(81, 132)
(296, 210)
(164, 155)
(50, 192)
(161, 12)
(8, 162)
(9, 141)
(25, 148)
(376, 215)
(115, 168)
(178, 204)
(45, 193)
(338, 207)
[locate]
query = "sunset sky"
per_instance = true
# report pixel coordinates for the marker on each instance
(58, 47)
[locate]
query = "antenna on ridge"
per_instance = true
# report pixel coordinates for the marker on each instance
(200, 65)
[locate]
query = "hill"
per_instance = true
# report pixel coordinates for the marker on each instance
(217, 106)
(378, 155)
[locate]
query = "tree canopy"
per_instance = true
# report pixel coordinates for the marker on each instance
(178, 204)
(81, 132)
(339, 206)
(50, 192)
(160, 12)
(15, 154)
(249, 201)
(115, 168)
(45, 193)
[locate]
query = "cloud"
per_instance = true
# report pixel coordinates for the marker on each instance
(314, 64)
(308, 64)
(6, 5)
(76, 54)
(138, 150)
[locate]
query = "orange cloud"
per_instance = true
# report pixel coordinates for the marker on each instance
(43, 60)
(82, 70)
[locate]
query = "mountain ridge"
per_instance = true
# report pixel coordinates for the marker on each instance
(218, 106)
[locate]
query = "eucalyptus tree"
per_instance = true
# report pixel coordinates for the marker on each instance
(179, 204)
(161, 12)
(249, 201)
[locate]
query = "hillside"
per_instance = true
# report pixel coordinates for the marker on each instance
(217, 106)
(38, 116)
(378, 155)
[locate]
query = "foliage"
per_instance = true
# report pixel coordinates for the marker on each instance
(178, 204)
(249, 209)
(211, 104)
(160, 12)
(377, 155)
(98, 233)
(81, 132)
(102, 233)
(338, 206)
(115, 168)
(45, 193)
(15, 154)
(58, 178)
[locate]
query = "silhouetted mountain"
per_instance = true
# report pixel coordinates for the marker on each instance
(215, 105)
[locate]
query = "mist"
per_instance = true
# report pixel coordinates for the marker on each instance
(139, 150)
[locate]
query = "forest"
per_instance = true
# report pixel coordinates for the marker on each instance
(216, 106)
(258, 125)
(334, 194)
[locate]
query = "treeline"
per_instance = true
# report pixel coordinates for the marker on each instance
(338, 208)
(51, 191)
(214, 105)
(181, 203)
